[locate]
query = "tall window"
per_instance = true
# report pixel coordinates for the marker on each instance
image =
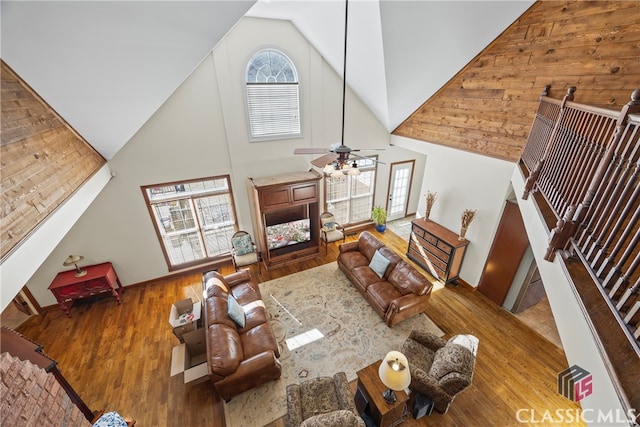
(272, 96)
(194, 220)
(350, 197)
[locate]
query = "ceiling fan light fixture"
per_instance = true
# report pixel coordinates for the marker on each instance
(337, 173)
(328, 169)
(353, 170)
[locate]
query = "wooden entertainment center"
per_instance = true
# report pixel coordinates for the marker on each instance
(286, 217)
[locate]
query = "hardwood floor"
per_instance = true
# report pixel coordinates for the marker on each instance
(118, 357)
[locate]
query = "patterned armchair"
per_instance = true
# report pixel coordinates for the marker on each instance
(440, 369)
(322, 401)
(243, 251)
(330, 230)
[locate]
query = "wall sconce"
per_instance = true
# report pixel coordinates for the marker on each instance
(74, 260)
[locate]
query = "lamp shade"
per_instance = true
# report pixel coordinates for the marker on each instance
(72, 260)
(394, 371)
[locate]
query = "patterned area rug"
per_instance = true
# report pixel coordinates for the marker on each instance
(354, 336)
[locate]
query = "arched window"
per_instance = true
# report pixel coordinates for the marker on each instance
(272, 96)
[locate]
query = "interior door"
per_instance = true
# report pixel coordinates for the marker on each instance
(399, 189)
(506, 253)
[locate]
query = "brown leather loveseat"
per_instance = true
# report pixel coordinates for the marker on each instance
(397, 291)
(238, 357)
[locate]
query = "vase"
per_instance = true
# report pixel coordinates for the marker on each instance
(463, 232)
(381, 227)
(427, 213)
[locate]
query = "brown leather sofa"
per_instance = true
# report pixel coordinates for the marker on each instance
(401, 292)
(238, 357)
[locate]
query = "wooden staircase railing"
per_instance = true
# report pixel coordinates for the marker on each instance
(585, 162)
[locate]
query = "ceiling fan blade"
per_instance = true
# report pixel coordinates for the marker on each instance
(367, 158)
(322, 161)
(311, 151)
(368, 149)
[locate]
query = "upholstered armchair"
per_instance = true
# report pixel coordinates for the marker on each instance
(330, 230)
(243, 251)
(322, 401)
(440, 369)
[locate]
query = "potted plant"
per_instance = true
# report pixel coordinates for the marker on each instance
(379, 216)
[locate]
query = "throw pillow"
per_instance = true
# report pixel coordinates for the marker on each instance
(467, 341)
(242, 244)
(235, 311)
(379, 264)
(331, 225)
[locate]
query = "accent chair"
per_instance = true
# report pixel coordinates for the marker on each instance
(244, 251)
(322, 401)
(440, 369)
(330, 230)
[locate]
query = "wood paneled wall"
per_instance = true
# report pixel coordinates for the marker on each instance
(488, 107)
(42, 160)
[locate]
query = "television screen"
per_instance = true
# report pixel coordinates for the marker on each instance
(288, 233)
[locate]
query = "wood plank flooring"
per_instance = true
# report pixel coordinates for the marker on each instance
(118, 357)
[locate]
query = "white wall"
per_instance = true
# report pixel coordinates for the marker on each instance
(201, 131)
(463, 180)
(23, 262)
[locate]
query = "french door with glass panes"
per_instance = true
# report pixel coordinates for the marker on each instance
(399, 189)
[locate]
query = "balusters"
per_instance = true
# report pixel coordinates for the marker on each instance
(535, 173)
(618, 199)
(589, 174)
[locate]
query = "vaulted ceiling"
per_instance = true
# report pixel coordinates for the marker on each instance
(106, 67)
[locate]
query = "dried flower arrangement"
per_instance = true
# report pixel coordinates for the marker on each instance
(466, 218)
(431, 199)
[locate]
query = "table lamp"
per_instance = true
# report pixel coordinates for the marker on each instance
(394, 373)
(74, 260)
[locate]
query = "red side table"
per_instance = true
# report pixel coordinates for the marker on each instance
(100, 278)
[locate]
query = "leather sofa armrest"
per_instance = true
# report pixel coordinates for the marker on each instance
(249, 374)
(404, 307)
(427, 339)
(241, 276)
(348, 246)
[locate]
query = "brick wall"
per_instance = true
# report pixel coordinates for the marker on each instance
(31, 397)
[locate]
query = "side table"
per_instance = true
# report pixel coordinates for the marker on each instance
(370, 388)
(100, 278)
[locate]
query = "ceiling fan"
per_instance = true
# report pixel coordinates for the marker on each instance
(339, 159)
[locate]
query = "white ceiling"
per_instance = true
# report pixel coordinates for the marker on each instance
(106, 67)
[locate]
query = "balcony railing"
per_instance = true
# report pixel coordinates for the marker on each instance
(584, 162)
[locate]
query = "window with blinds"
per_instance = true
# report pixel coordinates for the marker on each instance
(194, 220)
(273, 102)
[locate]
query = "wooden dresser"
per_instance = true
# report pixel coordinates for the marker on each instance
(287, 207)
(436, 249)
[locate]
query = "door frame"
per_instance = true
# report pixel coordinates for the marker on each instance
(412, 164)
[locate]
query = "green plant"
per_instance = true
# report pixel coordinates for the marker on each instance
(379, 215)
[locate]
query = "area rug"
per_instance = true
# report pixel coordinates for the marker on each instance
(353, 336)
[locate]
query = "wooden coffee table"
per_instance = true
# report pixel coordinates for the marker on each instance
(370, 388)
